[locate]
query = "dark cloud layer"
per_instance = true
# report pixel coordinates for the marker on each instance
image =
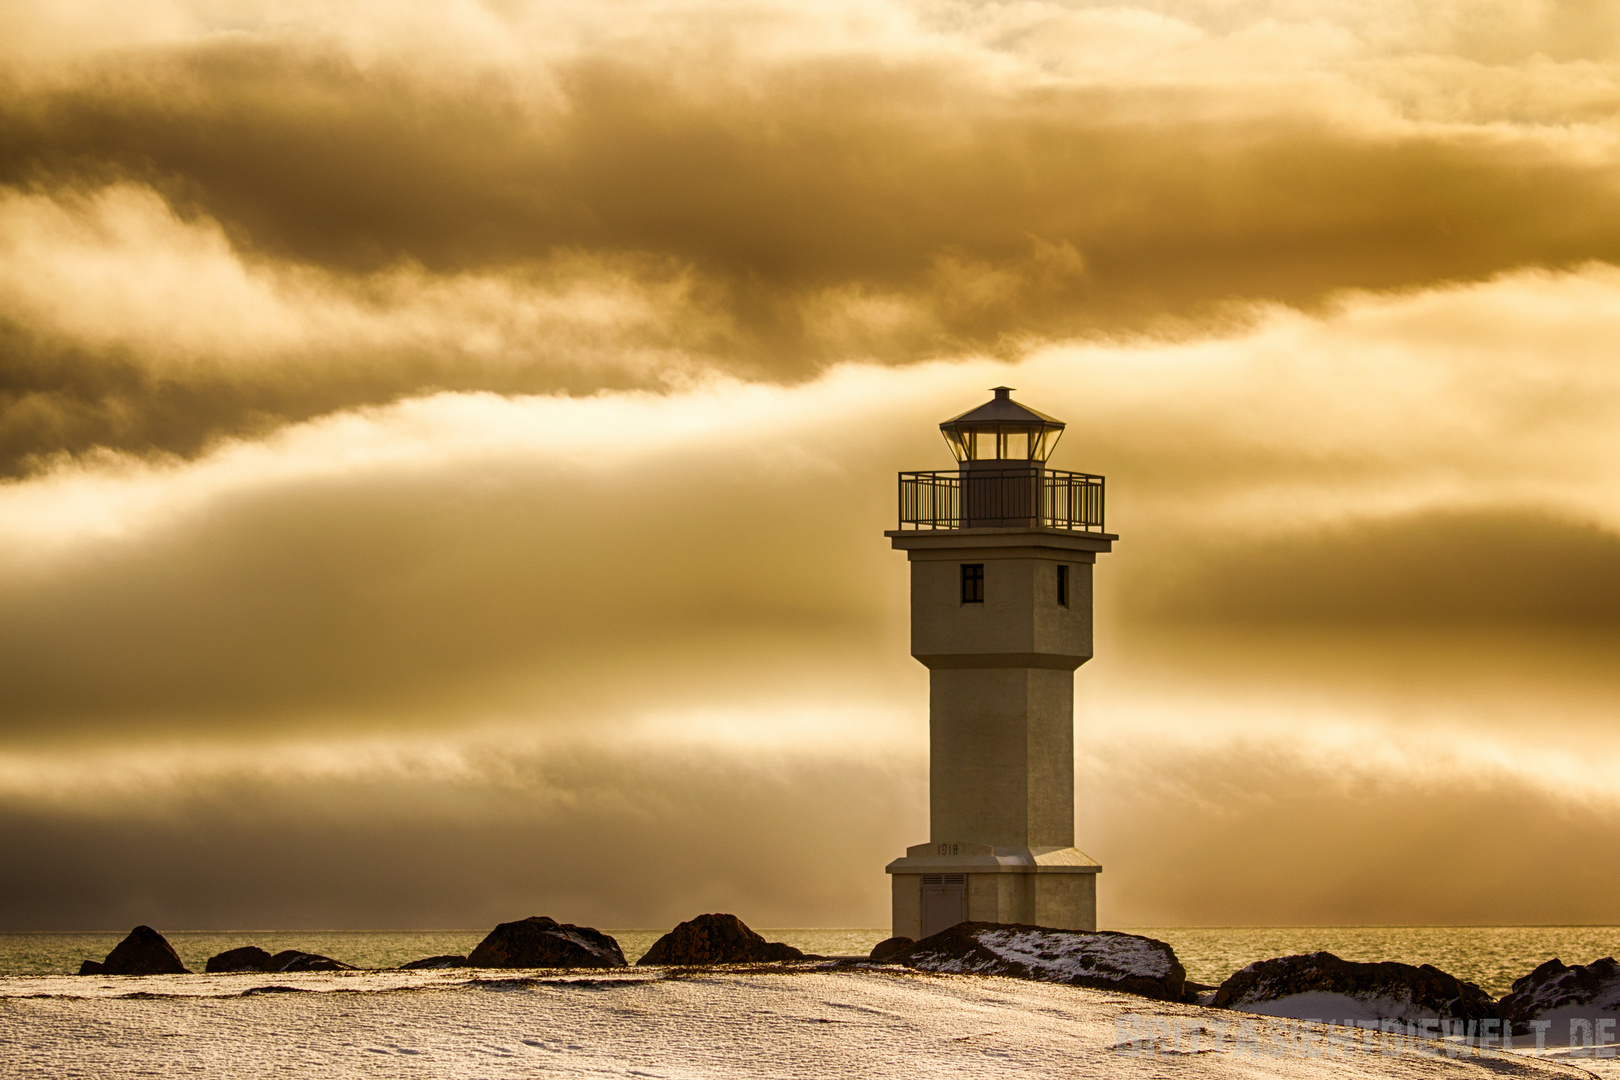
(1248, 837)
(1245, 835)
(825, 208)
(62, 397)
(841, 173)
(601, 840)
(1498, 566)
(547, 588)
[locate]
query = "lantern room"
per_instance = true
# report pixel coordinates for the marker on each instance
(1002, 431)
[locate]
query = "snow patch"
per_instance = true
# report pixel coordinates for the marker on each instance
(1328, 1007)
(1068, 954)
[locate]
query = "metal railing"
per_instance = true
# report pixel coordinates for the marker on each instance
(1023, 496)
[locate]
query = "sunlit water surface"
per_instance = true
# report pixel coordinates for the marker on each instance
(1492, 956)
(61, 953)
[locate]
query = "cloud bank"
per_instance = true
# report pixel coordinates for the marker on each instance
(216, 220)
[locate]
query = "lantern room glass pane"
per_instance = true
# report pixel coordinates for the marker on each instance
(1045, 443)
(1015, 446)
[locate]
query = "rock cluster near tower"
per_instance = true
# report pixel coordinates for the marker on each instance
(1104, 959)
(717, 939)
(143, 952)
(541, 942)
(1351, 990)
(1551, 1003)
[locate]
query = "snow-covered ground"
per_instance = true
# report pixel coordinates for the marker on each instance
(808, 1021)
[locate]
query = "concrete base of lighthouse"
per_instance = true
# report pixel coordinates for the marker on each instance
(939, 885)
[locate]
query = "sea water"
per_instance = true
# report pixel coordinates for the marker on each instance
(1491, 956)
(46, 953)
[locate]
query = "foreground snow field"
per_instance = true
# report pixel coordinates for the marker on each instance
(801, 1022)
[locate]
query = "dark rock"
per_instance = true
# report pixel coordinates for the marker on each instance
(143, 952)
(1364, 991)
(888, 947)
(435, 963)
(1585, 991)
(541, 942)
(1103, 959)
(716, 939)
(293, 960)
(247, 958)
(92, 967)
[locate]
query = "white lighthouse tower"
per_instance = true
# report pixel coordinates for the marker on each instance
(1001, 551)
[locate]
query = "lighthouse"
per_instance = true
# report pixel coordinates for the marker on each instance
(1001, 550)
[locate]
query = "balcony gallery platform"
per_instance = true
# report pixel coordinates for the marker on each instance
(997, 494)
(1001, 540)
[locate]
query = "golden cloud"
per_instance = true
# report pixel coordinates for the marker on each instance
(235, 221)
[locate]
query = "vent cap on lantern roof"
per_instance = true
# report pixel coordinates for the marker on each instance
(1002, 430)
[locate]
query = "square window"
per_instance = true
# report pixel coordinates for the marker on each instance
(1063, 585)
(973, 583)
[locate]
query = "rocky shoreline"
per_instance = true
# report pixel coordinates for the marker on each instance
(1316, 986)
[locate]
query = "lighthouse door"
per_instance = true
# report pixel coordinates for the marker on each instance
(944, 902)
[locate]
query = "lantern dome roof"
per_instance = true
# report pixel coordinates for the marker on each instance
(1000, 410)
(1002, 430)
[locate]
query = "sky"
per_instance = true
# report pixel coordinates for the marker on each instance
(445, 449)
